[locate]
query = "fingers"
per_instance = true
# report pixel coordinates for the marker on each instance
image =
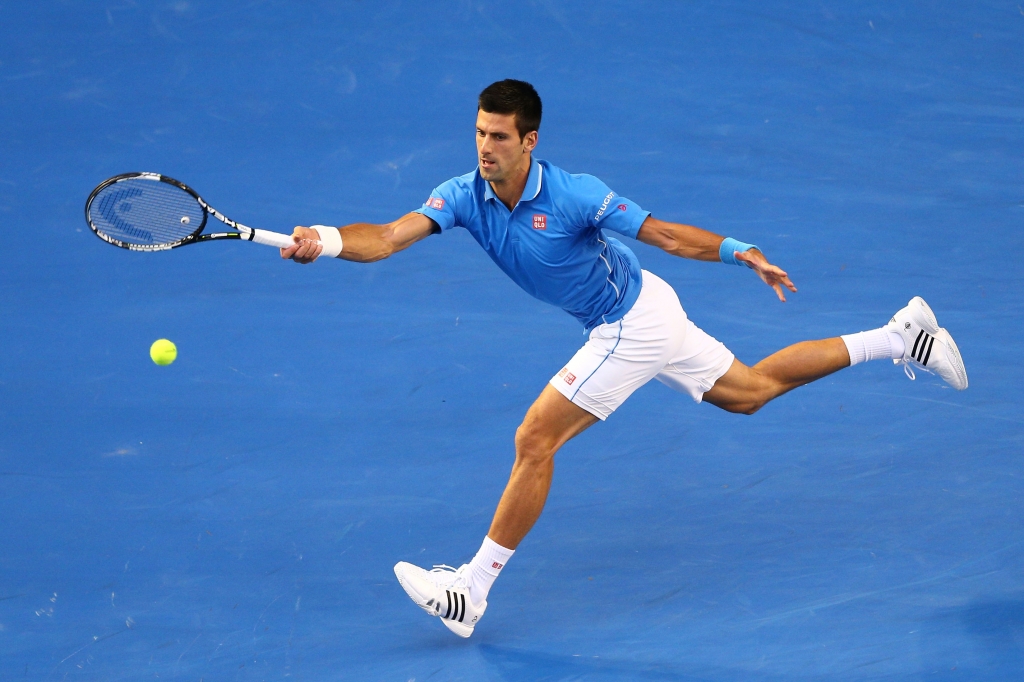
(307, 251)
(297, 235)
(306, 248)
(780, 276)
(773, 275)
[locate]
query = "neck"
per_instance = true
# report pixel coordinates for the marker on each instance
(510, 190)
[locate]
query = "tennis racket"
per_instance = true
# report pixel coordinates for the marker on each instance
(152, 212)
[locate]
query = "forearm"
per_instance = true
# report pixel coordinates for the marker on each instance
(366, 243)
(685, 241)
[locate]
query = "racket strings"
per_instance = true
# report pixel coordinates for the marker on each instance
(145, 212)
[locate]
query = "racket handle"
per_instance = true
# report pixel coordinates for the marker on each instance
(281, 241)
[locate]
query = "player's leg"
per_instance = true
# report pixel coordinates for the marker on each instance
(550, 422)
(746, 389)
(617, 358)
(459, 597)
(912, 338)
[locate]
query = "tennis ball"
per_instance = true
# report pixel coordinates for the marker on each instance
(163, 352)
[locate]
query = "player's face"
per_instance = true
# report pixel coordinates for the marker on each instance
(500, 150)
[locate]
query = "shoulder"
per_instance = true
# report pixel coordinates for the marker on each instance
(579, 195)
(460, 184)
(575, 189)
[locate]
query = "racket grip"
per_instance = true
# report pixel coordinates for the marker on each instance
(281, 241)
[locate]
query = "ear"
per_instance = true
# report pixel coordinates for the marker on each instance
(529, 141)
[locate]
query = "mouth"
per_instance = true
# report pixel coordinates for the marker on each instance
(484, 163)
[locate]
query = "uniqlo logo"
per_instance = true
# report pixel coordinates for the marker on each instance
(436, 203)
(622, 207)
(569, 378)
(497, 565)
(564, 370)
(540, 222)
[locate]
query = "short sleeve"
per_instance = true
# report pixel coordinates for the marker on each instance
(605, 209)
(443, 203)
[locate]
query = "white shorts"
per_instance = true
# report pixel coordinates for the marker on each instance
(655, 340)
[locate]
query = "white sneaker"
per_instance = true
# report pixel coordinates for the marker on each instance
(920, 331)
(442, 592)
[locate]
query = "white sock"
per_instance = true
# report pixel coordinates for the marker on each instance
(877, 344)
(485, 567)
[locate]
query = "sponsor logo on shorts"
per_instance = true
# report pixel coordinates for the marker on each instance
(436, 203)
(497, 565)
(569, 378)
(621, 207)
(540, 222)
(604, 205)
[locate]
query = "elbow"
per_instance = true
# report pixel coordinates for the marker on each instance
(658, 234)
(666, 242)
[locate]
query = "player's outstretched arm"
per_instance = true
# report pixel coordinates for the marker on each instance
(363, 242)
(687, 241)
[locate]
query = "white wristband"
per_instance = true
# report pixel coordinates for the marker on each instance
(330, 237)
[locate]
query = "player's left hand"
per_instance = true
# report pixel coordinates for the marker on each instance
(772, 275)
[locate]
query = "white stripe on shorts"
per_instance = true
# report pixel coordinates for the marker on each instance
(655, 340)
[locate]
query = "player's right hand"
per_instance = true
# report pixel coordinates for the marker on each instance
(307, 245)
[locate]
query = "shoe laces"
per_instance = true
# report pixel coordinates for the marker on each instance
(442, 573)
(908, 367)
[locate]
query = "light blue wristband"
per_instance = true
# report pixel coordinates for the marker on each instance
(729, 247)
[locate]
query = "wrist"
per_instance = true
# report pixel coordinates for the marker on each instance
(729, 247)
(330, 238)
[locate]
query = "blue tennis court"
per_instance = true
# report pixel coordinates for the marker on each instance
(236, 515)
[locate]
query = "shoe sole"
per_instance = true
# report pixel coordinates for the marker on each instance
(954, 357)
(461, 629)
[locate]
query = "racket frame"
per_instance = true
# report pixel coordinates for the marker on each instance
(243, 231)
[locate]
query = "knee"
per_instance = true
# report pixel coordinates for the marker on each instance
(752, 407)
(744, 406)
(533, 447)
(761, 390)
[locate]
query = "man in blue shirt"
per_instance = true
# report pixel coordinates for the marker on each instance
(545, 229)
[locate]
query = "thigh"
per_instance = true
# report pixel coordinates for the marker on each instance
(698, 365)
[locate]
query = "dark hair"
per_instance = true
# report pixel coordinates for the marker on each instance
(513, 97)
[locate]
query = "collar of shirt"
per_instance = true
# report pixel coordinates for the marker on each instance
(533, 180)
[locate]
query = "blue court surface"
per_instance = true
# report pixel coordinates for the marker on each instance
(236, 515)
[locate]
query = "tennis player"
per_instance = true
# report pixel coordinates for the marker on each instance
(548, 230)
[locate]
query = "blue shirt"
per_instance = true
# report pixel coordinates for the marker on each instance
(552, 242)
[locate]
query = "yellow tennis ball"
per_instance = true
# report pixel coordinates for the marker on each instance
(163, 352)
